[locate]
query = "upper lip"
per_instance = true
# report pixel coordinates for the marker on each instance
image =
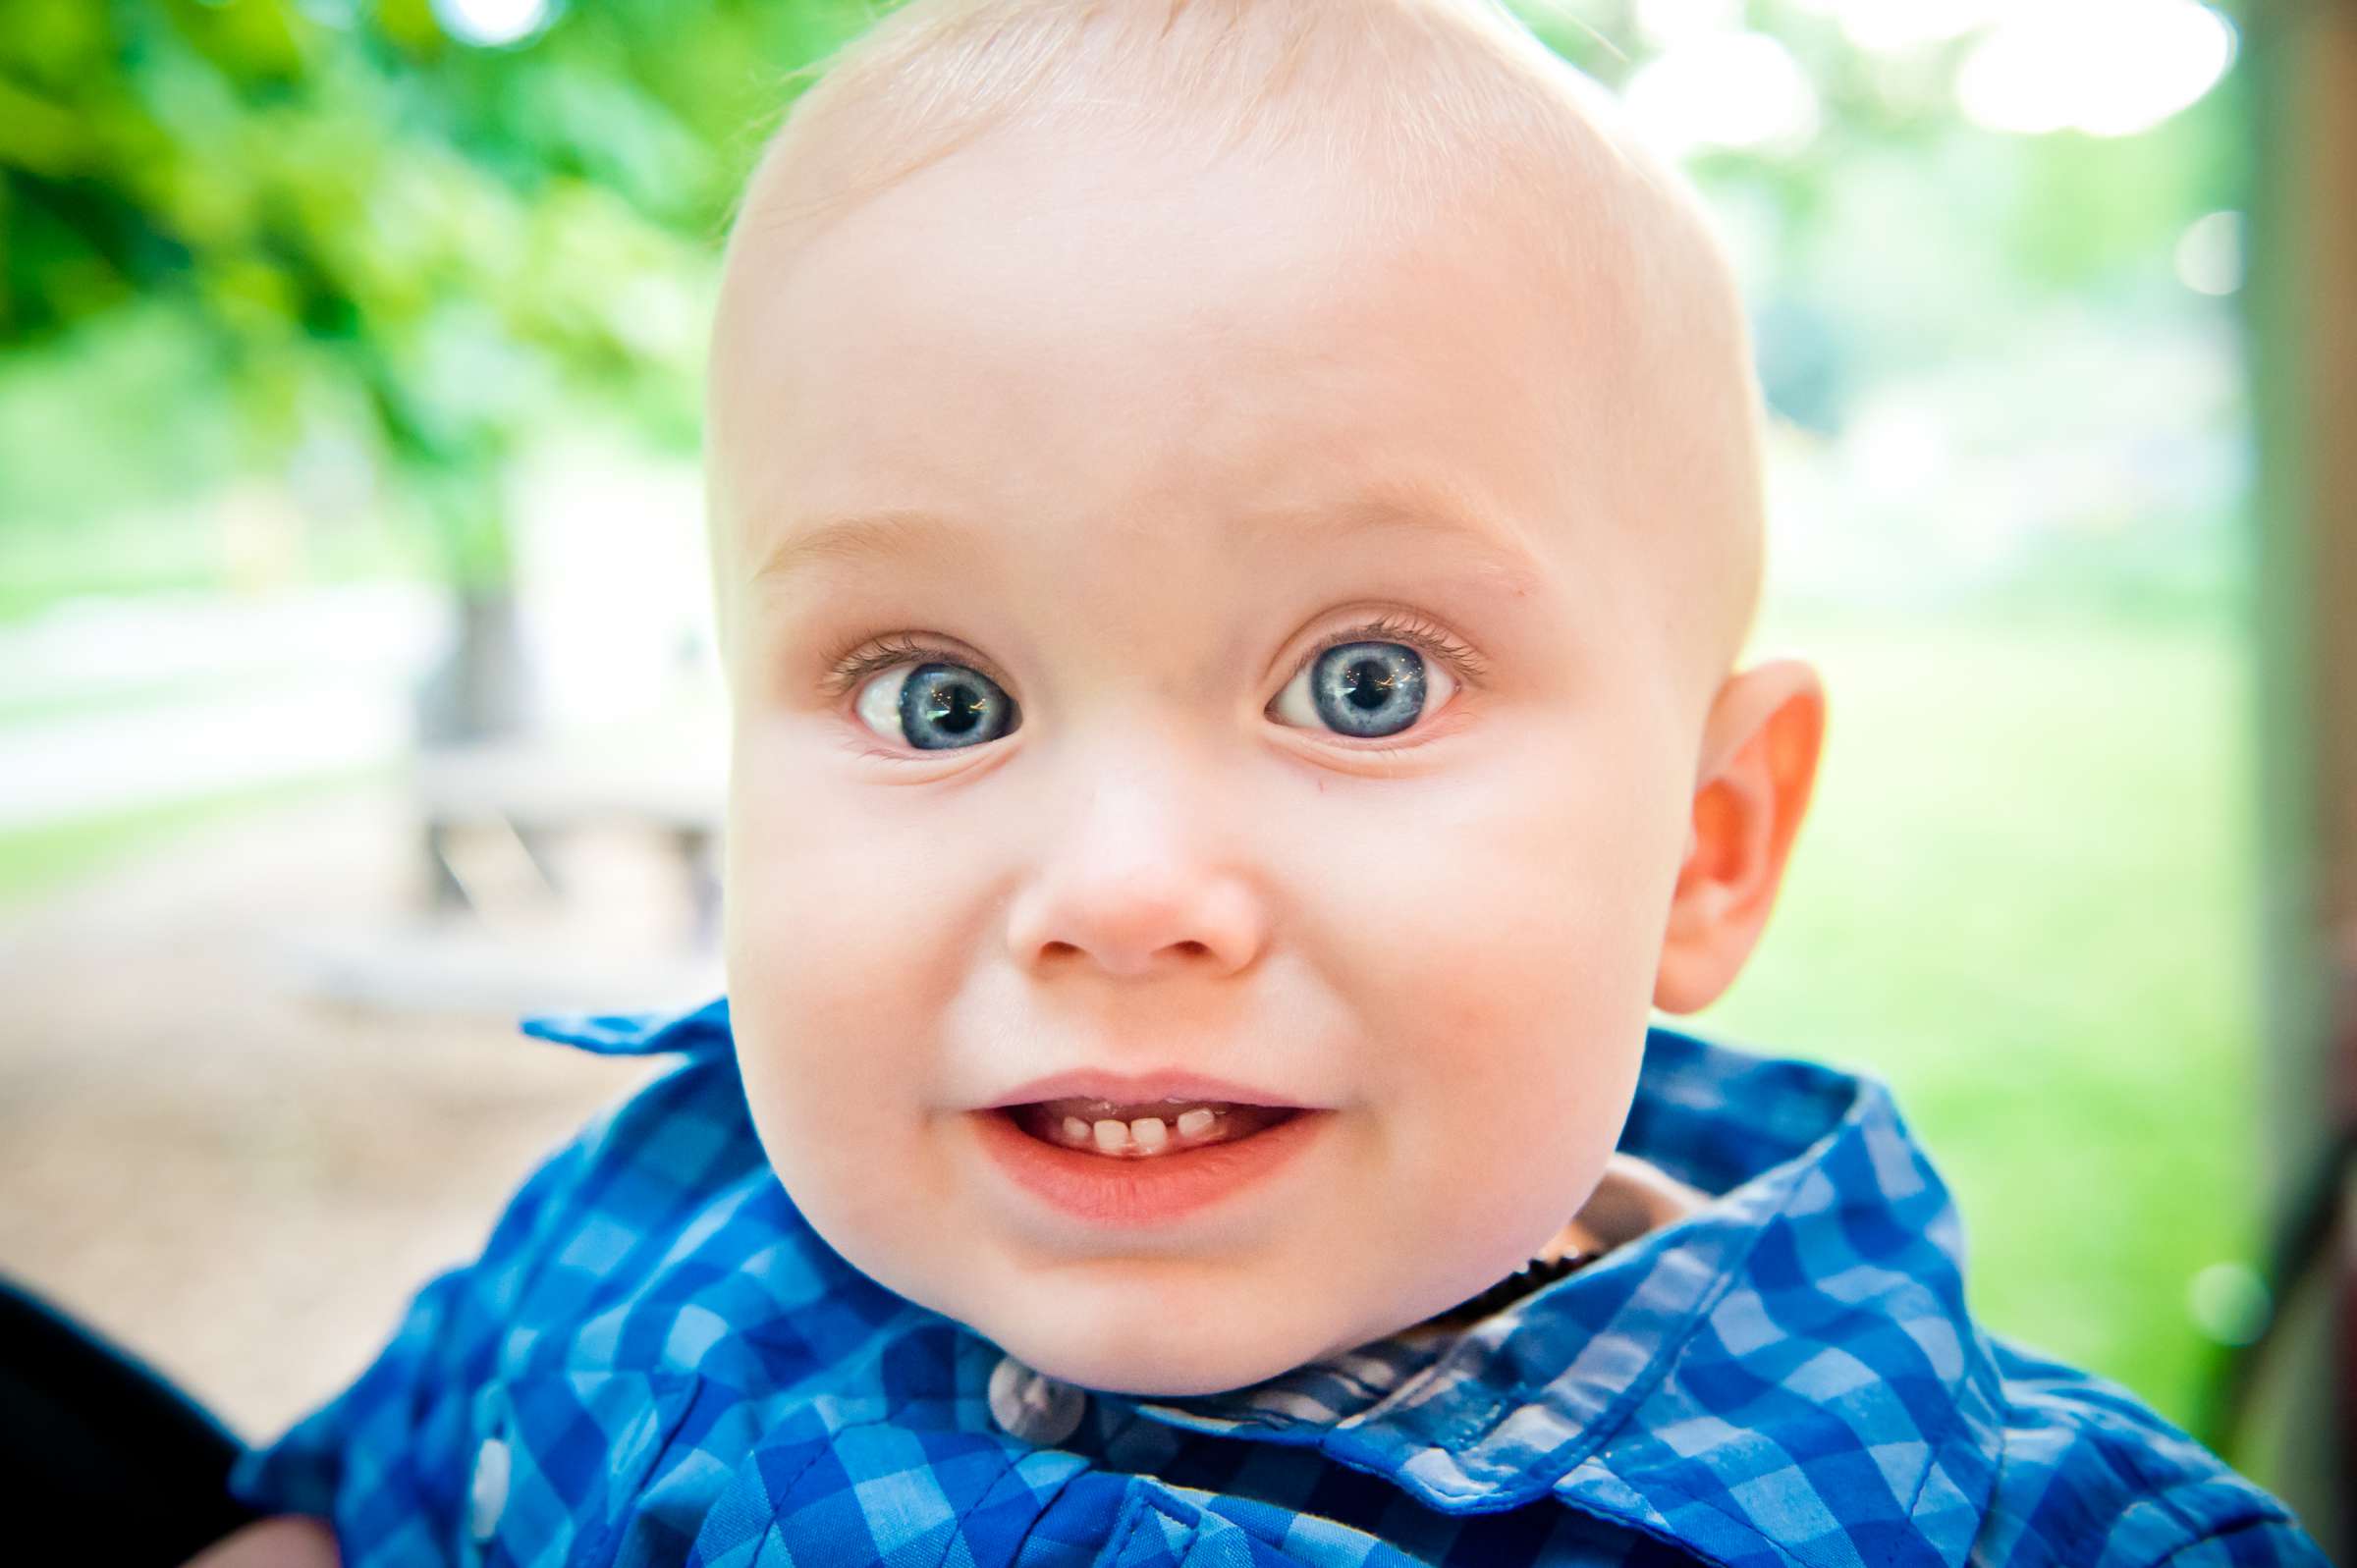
(1126, 1089)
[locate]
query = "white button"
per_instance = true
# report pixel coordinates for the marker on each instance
(489, 1494)
(1035, 1408)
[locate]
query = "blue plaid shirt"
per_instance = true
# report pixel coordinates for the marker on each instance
(656, 1360)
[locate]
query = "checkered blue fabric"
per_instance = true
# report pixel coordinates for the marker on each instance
(656, 1361)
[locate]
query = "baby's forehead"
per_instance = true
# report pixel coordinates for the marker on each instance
(1174, 353)
(1262, 287)
(1605, 253)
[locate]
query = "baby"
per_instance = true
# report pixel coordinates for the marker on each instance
(1234, 527)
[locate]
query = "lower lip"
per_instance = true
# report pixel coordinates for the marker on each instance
(1109, 1190)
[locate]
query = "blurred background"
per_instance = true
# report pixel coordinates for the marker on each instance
(356, 691)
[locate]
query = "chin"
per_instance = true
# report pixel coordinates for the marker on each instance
(1170, 1373)
(1153, 1359)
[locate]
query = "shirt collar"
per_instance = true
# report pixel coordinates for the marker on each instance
(697, 1029)
(1684, 1382)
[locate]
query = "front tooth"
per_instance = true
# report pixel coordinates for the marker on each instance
(1076, 1129)
(1195, 1123)
(1150, 1133)
(1111, 1136)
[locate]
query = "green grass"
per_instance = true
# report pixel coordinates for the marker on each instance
(2024, 895)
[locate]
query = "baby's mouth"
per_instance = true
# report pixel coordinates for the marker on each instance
(1144, 1131)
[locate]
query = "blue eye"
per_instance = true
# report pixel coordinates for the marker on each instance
(1367, 689)
(937, 706)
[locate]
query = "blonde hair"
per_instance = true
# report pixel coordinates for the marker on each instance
(1415, 107)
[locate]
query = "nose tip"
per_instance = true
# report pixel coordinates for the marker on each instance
(1139, 872)
(1127, 930)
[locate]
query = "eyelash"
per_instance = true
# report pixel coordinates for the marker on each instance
(849, 669)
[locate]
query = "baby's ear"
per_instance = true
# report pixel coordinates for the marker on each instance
(1760, 746)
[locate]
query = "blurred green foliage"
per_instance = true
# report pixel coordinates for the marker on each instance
(272, 218)
(347, 215)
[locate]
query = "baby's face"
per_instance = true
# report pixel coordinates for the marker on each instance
(1135, 447)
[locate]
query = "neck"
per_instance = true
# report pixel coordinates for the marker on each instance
(1630, 1199)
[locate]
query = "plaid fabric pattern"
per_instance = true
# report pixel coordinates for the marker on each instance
(656, 1361)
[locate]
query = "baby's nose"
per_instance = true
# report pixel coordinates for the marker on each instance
(1130, 923)
(1135, 865)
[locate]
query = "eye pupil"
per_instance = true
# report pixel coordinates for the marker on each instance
(1369, 688)
(944, 705)
(955, 706)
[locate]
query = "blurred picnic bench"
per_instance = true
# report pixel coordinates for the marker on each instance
(537, 788)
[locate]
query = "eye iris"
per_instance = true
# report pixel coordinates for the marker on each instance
(1369, 688)
(941, 705)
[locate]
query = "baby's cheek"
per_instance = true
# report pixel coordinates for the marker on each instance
(1514, 1038)
(1519, 949)
(818, 1035)
(825, 929)
(839, 1141)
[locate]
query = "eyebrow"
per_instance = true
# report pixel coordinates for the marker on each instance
(1476, 545)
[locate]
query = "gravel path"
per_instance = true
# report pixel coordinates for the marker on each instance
(217, 1162)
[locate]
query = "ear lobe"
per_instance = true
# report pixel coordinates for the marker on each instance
(1760, 750)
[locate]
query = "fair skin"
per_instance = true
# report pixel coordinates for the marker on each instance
(1137, 399)
(1133, 395)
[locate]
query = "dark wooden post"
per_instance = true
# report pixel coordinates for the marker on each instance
(2300, 57)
